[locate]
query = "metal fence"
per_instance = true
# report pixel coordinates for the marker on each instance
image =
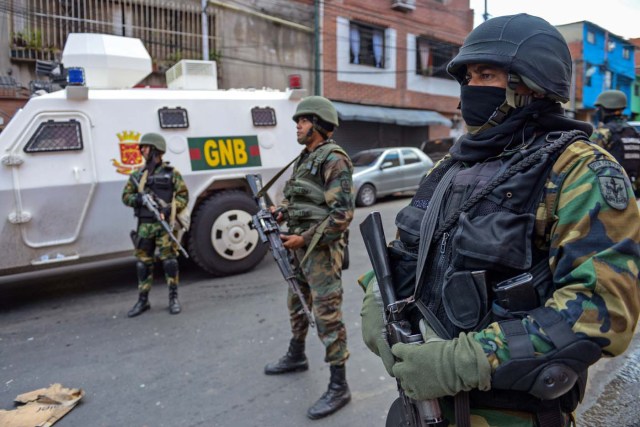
(170, 30)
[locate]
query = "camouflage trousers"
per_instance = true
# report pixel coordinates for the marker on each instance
(320, 279)
(151, 237)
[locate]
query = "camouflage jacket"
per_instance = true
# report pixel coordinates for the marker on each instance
(594, 256)
(181, 193)
(337, 179)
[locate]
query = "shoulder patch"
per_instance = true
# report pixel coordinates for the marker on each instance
(613, 183)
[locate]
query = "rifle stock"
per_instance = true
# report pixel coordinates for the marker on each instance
(269, 231)
(411, 412)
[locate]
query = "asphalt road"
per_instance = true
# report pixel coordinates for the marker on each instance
(203, 367)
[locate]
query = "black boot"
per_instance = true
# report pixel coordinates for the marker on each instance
(336, 396)
(141, 306)
(174, 304)
(295, 360)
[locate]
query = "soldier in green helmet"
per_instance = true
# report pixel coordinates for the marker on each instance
(165, 185)
(617, 136)
(318, 207)
(517, 260)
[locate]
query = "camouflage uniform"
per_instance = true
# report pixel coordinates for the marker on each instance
(153, 231)
(578, 222)
(320, 274)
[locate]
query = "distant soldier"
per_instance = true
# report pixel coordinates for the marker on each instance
(615, 135)
(165, 184)
(318, 208)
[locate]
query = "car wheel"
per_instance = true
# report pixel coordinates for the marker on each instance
(221, 240)
(366, 196)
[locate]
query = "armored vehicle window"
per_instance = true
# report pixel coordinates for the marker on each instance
(263, 116)
(173, 118)
(55, 136)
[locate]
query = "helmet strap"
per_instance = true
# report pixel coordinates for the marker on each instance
(496, 119)
(320, 130)
(514, 99)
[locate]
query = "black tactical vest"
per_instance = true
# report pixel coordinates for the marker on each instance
(490, 242)
(160, 184)
(624, 145)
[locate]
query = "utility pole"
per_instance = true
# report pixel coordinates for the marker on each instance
(205, 31)
(485, 15)
(317, 35)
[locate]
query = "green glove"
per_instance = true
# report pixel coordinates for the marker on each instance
(440, 368)
(373, 330)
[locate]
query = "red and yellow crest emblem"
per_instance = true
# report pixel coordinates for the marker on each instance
(130, 157)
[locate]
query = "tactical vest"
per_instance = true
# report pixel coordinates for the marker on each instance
(624, 145)
(489, 243)
(491, 239)
(159, 183)
(305, 189)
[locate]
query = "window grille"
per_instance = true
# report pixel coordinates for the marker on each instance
(263, 116)
(173, 118)
(55, 136)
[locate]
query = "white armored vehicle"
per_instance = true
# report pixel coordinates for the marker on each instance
(65, 158)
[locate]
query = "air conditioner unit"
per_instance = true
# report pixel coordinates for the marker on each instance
(403, 5)
(193, 74)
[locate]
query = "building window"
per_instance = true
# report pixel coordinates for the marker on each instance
(626, 53)
(432, 57)
(366, 45)
(591, 37)
(590, 70)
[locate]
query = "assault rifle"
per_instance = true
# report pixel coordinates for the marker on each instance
(150, 203)
(404, 411)
(269, 231)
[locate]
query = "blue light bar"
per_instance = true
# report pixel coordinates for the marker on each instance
(75, 76)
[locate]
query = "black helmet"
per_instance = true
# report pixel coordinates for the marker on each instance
(612, 100)
(525, 45)
(154, 140)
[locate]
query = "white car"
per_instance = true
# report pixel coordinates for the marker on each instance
(383, 171)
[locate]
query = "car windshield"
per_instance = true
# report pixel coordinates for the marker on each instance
(365, 158)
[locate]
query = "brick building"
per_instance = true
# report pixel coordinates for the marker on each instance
(384, 64)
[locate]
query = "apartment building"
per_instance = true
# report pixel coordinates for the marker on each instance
(384, 64)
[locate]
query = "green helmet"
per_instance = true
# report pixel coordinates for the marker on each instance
(154, 140)
(612, 100)
(317, 106)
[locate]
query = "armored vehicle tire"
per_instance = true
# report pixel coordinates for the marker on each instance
(221, 240)
(366, 195)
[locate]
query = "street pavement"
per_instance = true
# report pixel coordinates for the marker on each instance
(203, 367)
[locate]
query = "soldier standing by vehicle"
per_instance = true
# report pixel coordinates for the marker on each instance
(616, 136)
(163, 183)
(318, 207)
(518, 257)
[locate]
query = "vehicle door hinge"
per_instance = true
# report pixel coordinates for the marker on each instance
(19, 217)
(12, 160)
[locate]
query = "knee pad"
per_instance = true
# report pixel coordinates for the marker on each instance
(143, 270)
(170, 267)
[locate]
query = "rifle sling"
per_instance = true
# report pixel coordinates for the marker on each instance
(268, 185)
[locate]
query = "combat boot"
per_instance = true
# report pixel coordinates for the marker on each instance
(336, 396)
(294, 361)
(174, 304)
(141, 306)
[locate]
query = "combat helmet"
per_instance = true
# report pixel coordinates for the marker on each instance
(526, 46)
(317, 106)
(612, 100)
(154, 140)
